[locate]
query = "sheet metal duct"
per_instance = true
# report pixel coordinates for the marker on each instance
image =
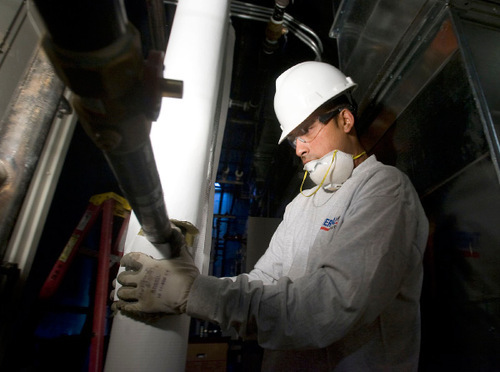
(429, 104)
(479, 31)
(370, 34)
(396, 51)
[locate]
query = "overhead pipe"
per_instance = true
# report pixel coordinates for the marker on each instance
(278, 24)
(97, 53)
(262, 14)
(274, 31)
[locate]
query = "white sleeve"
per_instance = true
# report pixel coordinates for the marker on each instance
(354, 275)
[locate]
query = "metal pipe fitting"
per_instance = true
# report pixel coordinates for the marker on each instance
(275, 28)
(117, 96)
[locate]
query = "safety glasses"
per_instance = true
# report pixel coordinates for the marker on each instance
(307, 132)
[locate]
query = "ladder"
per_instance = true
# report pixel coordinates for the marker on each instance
(109, 205)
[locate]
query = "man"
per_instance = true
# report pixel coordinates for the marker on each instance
(339, 286)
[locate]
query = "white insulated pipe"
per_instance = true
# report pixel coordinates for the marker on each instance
(186, 142)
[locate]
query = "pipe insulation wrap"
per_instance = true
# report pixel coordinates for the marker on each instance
(186, 142)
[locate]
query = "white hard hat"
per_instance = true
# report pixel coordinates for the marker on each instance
(303, 88)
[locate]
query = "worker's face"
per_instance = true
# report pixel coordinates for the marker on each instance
(316, 139)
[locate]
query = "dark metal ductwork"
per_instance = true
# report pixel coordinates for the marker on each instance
(97, 53)
(428, 92)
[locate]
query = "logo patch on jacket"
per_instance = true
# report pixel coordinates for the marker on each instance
(330, 223)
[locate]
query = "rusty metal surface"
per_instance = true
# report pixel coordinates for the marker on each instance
(23, 130)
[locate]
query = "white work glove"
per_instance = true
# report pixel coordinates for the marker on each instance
(155, 286)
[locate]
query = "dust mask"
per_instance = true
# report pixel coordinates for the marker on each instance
(331, 171)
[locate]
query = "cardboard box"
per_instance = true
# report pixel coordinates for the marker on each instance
(206, 357)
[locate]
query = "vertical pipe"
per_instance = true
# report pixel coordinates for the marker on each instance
(184, 140)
